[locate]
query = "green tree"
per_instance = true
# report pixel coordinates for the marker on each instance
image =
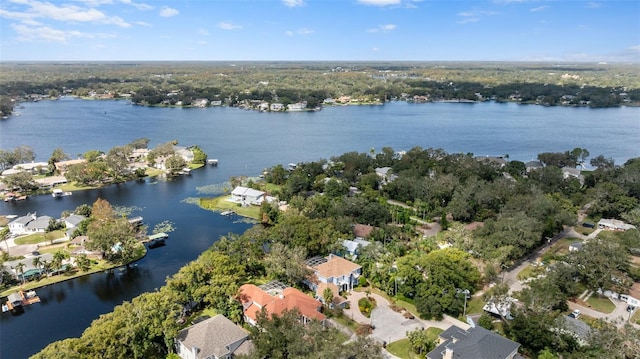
(175, 164)
(420, 341)
(56, 156)
(286, 264)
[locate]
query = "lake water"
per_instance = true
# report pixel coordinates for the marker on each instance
(245, 142)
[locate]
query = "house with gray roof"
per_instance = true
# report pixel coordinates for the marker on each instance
(38, 225)
(213, 338)
(473, 343)
(19, 225)
(247, 196)
(73, 220)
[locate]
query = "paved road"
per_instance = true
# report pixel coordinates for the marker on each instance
(390, 326)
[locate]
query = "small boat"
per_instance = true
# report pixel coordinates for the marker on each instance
(227, 213)
(57, 193)
(212, 162)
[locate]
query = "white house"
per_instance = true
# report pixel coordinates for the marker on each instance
(614, 225)
(38, 225)
(247, 196)
(213, 338)
(73, 220)
(19, 225)
(335, 270)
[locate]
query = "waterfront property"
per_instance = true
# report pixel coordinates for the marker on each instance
(213, 338)
(275, 298)
(19, 299)
(29, 224)
(247, 196)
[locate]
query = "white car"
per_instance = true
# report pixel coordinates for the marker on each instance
(574, 314)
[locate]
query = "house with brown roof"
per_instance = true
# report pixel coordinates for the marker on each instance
(213, 338)
(276, 301)
(333, 272)
(362, 230)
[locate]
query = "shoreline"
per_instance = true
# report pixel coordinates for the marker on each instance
(62, 278)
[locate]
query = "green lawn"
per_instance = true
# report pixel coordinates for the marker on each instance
(474, 305)
(40, 237)
(402, 349)
(347, 322)
(601, 304)
(221, 204)
(98, 266)
(636, 317)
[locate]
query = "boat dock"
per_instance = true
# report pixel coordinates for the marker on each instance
(227, 213)
(155, 237)
(19, 299)
(212, 162)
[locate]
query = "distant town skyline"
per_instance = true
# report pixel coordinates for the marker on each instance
(320, 30)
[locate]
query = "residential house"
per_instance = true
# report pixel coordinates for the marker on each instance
(333, 269)
(33, 167)
(576, 328)
(63, 166)
(533, 165)
(51, 181)
(473, 343)
(275, 107)
(200, 102)
(213, 338)
(614, 225)
(353, 247)
(38, 225)
(385, 174)
(496, 160)
(362, 230)
(247, 196)
(19, 225)
(276, 300)
(73, 220)
(184, 152)
(298, 106)
(28, 269)
(633, 297)
(576, 246)
(568, 172)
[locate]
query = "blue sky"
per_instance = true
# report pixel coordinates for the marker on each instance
(320, 30)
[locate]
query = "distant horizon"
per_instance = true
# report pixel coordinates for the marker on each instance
(365, 62)
(546, 31)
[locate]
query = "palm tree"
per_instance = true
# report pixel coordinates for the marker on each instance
(20, 269)
(4, 236)
(37, 262)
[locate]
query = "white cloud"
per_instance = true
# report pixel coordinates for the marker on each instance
(63, 13)
(375, 49)
(48, 34)
(539, 8)
(593, 5)
(293, 3)
(299, 32)
(468, 20)
(142, 23)
(474, 15)
(383, 28)
(203, 32)
(139, 6)
(380, 2)
(166, 11)
(225, 25)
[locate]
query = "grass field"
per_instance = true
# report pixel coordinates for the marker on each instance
(402, 347)
(40, 237)
(601, 304)
(221, 204)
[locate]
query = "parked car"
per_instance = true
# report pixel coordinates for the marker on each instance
(630, 308)
(575, 314)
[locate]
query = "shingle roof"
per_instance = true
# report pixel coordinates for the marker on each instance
(212, 336)
(336, 267)
(474, 343)
(40, 222)
(75, 219)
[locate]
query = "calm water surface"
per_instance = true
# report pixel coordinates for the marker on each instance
(245, 142)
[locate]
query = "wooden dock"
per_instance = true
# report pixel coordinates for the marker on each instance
(19, 299)
(156, 237)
